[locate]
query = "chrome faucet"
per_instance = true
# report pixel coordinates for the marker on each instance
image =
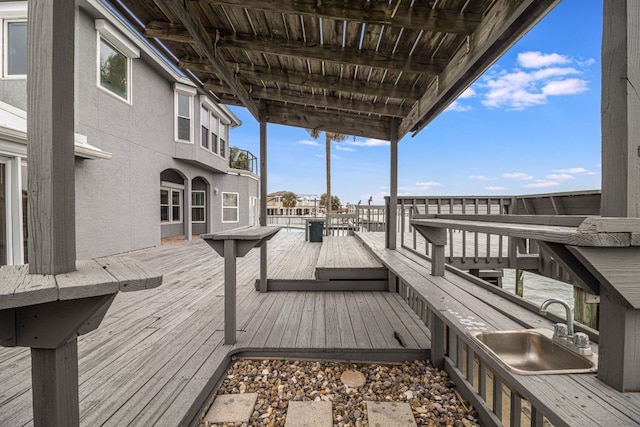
(577, 342)
(568, 309)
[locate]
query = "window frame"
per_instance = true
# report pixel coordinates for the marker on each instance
(5, 50)
(237, 207)
(203, 206)
(217, 125)
(105, 32)
(189, 92)
(172, 188)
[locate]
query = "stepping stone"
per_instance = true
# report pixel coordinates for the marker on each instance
(231, 408)
(353, 378)
(390, 414)
(309, 414)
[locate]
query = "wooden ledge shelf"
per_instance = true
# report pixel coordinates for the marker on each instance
(48, 312)
(91, 278)
(567, 230)
(246, 238)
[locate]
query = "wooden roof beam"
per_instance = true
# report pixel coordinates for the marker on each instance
(345, 123)
(333, 83)
(301, 98)
(417, 17)
(501, 27)
(200, 37)
(331, 53)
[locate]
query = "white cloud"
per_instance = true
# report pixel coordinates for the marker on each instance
(541, 76)
(575, 171)
(343, 148)
(559, 177)
(517, 175)
(565, 87)
(542, 184)
(539, 59)
(468, 93)
(428, 184)
(307, 142)
(495, 188)
(482, 178)
(456, 106)
(371, 142)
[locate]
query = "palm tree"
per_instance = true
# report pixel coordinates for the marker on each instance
(329, 136)
(289, 199)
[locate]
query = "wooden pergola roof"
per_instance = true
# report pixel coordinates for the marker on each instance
(358, 67)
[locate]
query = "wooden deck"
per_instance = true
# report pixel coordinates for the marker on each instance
(159, 353)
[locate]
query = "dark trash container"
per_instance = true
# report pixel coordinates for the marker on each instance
(315, 231)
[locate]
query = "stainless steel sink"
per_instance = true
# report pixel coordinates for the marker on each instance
(533, 352)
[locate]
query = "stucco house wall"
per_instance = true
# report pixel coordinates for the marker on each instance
(118, 199)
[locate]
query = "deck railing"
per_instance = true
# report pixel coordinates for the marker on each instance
(481, 380)
(476, 251)
(243, 159)
(469, 250)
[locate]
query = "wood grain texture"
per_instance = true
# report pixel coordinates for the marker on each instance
(550, 233)
(417, 17)
(621, 109)
(616, 268)
(19, 288)
(50, 105)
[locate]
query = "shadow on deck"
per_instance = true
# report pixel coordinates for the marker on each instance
(159, 354)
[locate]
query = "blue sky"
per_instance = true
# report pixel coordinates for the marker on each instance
(530, 124)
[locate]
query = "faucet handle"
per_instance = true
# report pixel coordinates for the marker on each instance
(560, 330)
(581, 340)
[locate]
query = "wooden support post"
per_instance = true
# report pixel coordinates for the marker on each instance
(619, 343)
(438, 340)
(230, 291)
(263, 191)
(392, 220)
(55, 385)
(437, 260)
(393, 282)
(50, 106)
(519, 282)
(585, 312)
(619, 358)
(51, 192)
(621, 109)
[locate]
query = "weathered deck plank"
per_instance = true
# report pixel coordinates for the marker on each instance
(590, 402)
(154, 359)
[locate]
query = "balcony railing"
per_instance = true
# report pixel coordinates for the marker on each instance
(243, 159)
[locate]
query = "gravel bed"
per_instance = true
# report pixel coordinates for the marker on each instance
(432, 396)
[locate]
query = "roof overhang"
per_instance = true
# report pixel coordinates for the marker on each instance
(358, 68)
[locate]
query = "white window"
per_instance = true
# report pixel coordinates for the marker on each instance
(170, 205)
(204, 128)
(183, 105)
(211, 128)
(198, 206)
(114, 61)
(15, 49)
(230, 207)
(224, 137)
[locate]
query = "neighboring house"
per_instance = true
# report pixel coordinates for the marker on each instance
(307, 204)
(152, 150)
